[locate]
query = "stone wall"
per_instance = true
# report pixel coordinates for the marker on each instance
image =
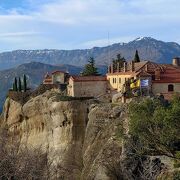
(163, 87)
(23, 97)
(87, 88)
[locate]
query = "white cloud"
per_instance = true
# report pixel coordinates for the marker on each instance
(85, 23)
(107, 41)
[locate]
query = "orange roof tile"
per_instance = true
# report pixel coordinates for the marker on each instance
(88, 78)
(55, 72)
(171, 74)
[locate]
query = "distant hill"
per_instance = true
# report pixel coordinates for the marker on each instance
(35, 72)
(149, 49)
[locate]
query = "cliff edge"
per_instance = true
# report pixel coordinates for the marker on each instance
(84, 136)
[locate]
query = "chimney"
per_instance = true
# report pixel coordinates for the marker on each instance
(157, 74)
(132, 66)
(125, 66)
(109, 69)
(112, 68)
(146, 68)
(176, 61)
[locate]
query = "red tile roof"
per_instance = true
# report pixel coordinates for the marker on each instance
(55, 72)
(47, 76)
(122, 73)
(171, 74)
(88, 78)
(48, 80)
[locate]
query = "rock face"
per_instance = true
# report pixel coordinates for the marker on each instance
(56, 126)
(84, 136)
(78, 133)
(102, 144)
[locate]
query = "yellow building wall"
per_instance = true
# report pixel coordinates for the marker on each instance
(163, 87)
(118, 81)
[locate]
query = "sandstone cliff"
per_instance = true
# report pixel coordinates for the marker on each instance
(59, 127)
(84, 136)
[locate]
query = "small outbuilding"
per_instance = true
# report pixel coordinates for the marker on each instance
(56, 77)
(87, 86)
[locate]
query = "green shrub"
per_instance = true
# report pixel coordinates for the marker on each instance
(155, 127)
(176, 175)
(177, 160)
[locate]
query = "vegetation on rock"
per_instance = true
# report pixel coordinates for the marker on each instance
(24, 83)
(19, 161)
(20, 86)
(15, 88)
(155, 127)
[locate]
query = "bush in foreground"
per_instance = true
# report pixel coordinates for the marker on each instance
(155, 127)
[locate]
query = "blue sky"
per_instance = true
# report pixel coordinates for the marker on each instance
(72, 24)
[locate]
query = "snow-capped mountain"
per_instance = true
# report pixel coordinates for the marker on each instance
(149, 49)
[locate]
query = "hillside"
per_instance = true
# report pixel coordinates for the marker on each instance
(149, 49)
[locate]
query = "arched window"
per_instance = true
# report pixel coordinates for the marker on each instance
(170, 87)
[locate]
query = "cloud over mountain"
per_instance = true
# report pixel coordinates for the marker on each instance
(69, 24)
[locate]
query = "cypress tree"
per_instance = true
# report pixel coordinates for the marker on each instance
(25, 83)
(136, 57)
(20, 87)
(15, 84)
(13, 87)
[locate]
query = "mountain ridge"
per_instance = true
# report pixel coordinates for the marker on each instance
(149, 49)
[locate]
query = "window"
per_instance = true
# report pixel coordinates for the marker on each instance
(170, 88)
(114, 80)
(119, 80)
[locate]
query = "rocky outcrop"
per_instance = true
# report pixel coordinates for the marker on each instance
(79, 133)
(103, 143)
(58, 127)
(84, 136)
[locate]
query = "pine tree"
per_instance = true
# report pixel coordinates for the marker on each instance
(136, 57)
(24, 83)
(15, 87)
(20, 87)
(90, 69)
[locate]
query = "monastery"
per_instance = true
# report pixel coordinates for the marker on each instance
(145, 77)
(155, 78)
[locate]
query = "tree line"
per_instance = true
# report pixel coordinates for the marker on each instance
(90, 68)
